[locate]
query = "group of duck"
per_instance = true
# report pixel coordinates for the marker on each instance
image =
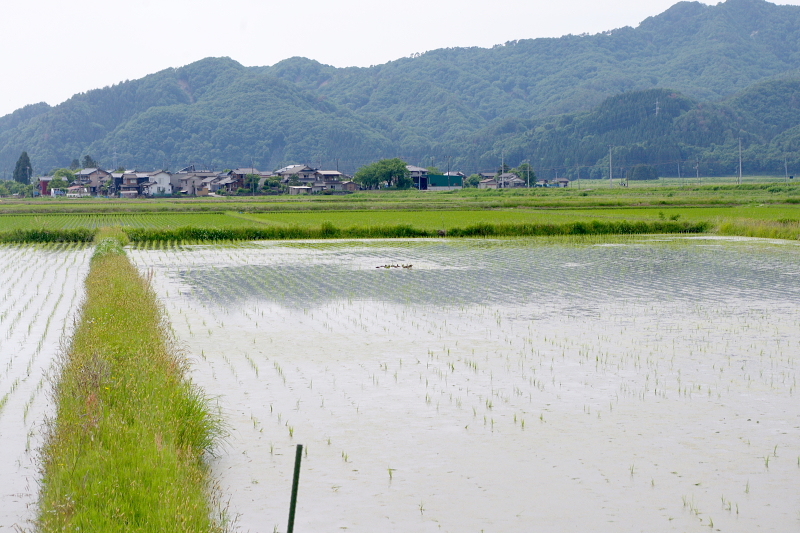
(394, 266)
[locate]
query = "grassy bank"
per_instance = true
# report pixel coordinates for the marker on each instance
(125, 449)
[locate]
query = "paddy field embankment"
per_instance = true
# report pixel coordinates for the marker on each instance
(124, 451)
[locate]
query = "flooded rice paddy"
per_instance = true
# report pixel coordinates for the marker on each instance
(42, 287)
(499, 385)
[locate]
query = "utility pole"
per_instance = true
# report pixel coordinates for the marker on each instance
(529, 172)
(740, 162)
(785, 171)
(679, 172)
(697, 169)
(578, 173)
(657, 108)
(448, 170)
(610, 169)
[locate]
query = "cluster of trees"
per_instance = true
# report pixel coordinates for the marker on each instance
(390, 173)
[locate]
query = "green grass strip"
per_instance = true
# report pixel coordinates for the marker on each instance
(125, 451)
(329, 231)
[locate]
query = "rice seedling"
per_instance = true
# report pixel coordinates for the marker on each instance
(538, 325)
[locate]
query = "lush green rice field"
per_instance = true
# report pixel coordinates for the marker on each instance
(449, 219)
(667, 193)
(769, 220)
(135, 220)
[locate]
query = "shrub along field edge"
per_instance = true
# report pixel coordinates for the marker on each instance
(125, 451)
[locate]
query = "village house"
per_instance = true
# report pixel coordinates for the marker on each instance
(350, 186)
(78, 191)
(488, 183)
(303, 173)
(299, 189)
(93, 178)
(114, 183)
(209, 185)
(229, 184)
(508, 180)
(449, 181)
(330, 175)
(192, 182)
(419, 176)
(129, 186)
(44, 181)
(558, 182)
(328, 180)
(158, 184)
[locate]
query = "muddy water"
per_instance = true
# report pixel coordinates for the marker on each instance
(40, 294)
(514, 385)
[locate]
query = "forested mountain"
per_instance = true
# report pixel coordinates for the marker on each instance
(717, 74)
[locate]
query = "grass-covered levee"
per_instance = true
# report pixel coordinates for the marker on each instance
(125, 450)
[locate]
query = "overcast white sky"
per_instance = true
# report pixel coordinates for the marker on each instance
(52, 49)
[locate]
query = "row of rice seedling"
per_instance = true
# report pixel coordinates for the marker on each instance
(445, 218)
(203, 227)
(94, 221)
(43, 287)
(787, 228)
(126, 448)
(47, 235)
(328, 231)
(625, 377)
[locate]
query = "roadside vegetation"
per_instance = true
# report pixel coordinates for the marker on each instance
(125, 451)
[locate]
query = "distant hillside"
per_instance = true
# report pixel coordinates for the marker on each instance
(765, 116)
(731, 69)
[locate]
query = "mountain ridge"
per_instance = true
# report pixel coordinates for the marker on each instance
(466, 103)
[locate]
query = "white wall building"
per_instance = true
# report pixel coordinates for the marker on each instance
(159, 183)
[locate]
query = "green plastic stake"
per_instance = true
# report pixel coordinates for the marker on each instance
(297, 458)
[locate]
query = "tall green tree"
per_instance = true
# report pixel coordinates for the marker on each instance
(64, 173)
(88, 162)
(23, 170)
(472, 181)
(392, 172)
(251, 182)
(57, 183)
